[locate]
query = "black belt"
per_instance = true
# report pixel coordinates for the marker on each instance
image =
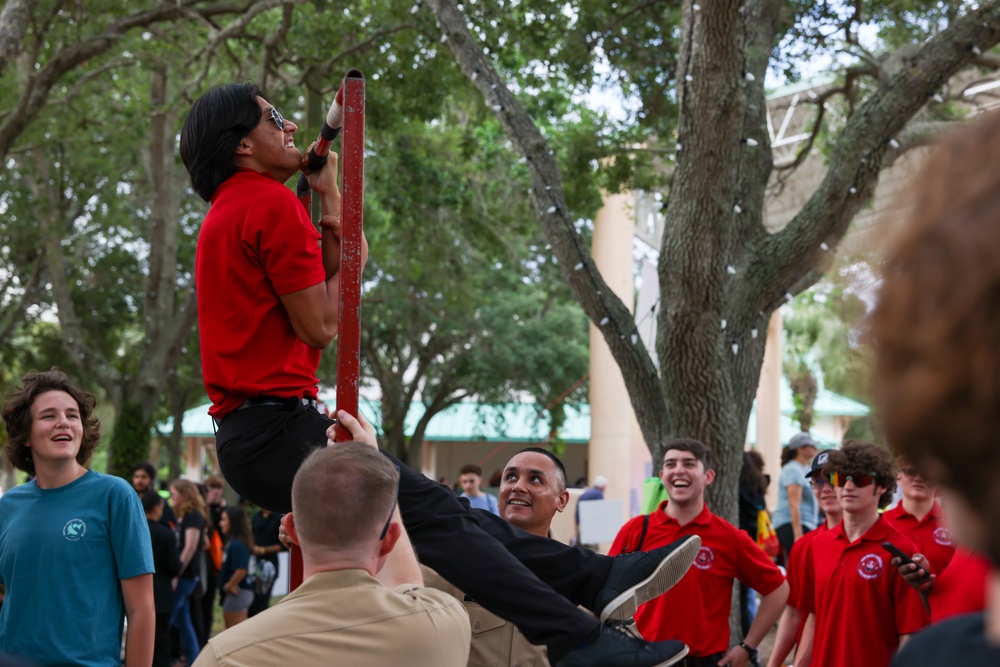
(703, 661)
(259, 401)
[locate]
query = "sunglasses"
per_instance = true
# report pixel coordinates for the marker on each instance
(277, 119)
(395, 501)
(818, 481)
(841, 480)
(910, 472)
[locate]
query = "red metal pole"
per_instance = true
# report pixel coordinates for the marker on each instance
(351, 230)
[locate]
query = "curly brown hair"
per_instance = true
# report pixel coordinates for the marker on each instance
(857, 457)
(937, 324)
(17, 417)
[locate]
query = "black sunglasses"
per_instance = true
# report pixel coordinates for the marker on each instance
(277, 119)
(392, 510)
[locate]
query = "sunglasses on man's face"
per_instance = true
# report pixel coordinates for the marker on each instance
(385, 528)
(276, 118)
(840, 479)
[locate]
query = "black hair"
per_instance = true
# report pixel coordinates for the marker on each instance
(147, 468)
(151, 500)
(214, 127)
(696, 447)
(560, 468)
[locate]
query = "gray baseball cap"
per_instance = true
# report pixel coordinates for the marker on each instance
(801, 440)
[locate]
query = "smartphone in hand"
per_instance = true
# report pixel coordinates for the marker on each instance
(898, 553)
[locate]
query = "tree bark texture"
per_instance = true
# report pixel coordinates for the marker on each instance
(13, 23)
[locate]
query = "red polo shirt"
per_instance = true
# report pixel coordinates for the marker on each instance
(255, 245)
(794, 570)
(862, 604)
(696, 610)
(961, 588)
(931, 538)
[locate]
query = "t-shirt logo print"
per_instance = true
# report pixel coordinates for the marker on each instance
(704, 559)
(74, 529)
(870, 566)
(943, 537)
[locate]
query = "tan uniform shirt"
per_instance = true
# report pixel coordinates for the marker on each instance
(495, 642)
(347, 618)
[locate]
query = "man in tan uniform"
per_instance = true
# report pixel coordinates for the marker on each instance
(532, 490)
(362, 602)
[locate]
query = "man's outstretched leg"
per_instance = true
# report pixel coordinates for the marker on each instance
(261, 448)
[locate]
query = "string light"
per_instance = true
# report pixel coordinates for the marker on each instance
(731, 270)
(750, 141)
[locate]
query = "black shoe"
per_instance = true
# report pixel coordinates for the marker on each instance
(613, 649)
(639, 577)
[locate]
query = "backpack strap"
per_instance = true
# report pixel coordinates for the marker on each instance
(642, 536)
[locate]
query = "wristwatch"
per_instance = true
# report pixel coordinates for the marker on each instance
(752, 652)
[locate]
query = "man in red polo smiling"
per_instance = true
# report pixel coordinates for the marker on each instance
(863, 609)
(696, 610)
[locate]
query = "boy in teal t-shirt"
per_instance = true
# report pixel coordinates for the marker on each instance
(75, 552)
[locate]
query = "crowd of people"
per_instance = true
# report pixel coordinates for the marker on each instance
(861, 581)
(206, 554)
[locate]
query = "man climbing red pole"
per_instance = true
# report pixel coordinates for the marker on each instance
(269, 300)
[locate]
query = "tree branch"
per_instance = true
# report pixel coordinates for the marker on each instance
(792, 256)
(36, 89)
(599, 302)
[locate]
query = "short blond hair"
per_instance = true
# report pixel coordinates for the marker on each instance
(342, 495)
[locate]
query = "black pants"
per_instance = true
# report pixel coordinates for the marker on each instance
(786, 538)
(502, 567)
(161, 643)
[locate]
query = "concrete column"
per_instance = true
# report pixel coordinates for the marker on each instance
(611, 416)
(194, 459)
(769, 407)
